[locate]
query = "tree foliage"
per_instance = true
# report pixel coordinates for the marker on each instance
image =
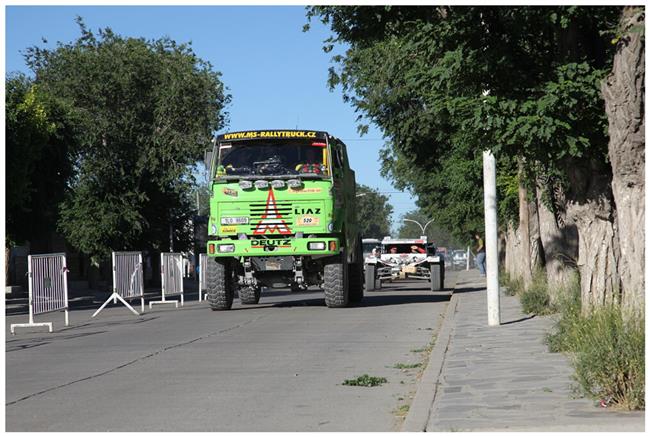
(374, 212)
(445, 83)
(143, 112)
(37, 163)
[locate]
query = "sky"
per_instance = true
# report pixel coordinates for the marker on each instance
(275, 72)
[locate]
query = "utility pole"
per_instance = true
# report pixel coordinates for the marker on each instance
(491, 241)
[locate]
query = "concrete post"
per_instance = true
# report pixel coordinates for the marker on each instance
(491, 241)
(468, 256)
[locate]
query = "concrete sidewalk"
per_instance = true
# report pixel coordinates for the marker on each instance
(503, 378)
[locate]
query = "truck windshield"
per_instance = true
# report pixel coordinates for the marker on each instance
(261, 158)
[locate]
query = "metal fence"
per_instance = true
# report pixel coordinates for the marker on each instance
(171, 277)
(128, 281)
(48, 288)
(203, 265)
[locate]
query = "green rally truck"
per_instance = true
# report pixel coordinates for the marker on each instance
(282, 215)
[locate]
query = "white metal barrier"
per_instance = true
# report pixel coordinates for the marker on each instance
(128, 282)
(48, 288)
(171, 277)
(203, 265)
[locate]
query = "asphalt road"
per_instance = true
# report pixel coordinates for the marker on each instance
(276, 366)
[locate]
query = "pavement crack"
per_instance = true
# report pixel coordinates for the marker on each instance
(137, 360)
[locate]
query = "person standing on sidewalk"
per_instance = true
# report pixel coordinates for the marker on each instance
(480, 254)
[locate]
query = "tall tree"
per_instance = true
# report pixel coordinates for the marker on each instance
(38, 165)
(624, 92)
(143, 112)
(374, 212)
(445, 83)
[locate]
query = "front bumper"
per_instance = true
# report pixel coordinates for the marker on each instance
(273, 247)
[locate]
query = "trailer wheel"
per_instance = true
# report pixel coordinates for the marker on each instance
(336, 282)
(436, 277)
(249, 295)
(219, 283)
(370, 277)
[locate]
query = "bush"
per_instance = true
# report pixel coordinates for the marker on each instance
(511, 286)
(610, 360)
(536, 299)
(565, 335)
(608, 352)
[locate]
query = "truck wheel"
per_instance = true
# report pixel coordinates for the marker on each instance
(356, 282)
(370, 277)
(336, 283)
(436, 277)
(249, 295)
(219, 284)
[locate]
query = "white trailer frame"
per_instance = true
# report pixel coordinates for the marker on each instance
(58, 293)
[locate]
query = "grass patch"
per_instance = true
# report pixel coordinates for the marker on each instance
(407, 366)
(402, 411)
(607, 351)
(536, 299)
(366, 380)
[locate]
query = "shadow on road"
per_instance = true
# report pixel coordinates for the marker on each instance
(523, 319)
(372, 301)
(468, 289)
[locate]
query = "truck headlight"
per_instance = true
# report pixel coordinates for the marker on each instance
(261, 184)
(226, 248)
(277, 184)
(245, 185)
(294, 183)
(316, 245)
(330, 226)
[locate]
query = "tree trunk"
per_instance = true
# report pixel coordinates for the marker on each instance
(559, 239)
(623, 92)
(530, 257)
(590, 207)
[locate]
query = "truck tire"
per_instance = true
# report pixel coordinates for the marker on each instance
(356, 282)
(249, 295)
(219, 284)
(436, 277)
(370, 277)
(335, 283)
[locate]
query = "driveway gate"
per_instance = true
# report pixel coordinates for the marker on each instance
(48, 288)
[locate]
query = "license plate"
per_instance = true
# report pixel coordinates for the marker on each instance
(234, 220)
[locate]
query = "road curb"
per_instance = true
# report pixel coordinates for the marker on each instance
(418, 415)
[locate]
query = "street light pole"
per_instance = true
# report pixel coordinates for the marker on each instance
(491, 241)
(423, 228)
